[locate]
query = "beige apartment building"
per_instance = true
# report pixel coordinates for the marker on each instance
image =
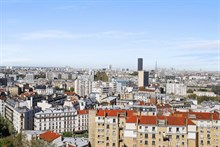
(126, 128)
(208, 127)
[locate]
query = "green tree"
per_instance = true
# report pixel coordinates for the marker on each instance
(192, 96)
(72, 89)
(102, 76)
(67, 134)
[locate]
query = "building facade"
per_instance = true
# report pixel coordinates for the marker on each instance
(121, 128)
(176, 89)
(143, 78)
(55, 119)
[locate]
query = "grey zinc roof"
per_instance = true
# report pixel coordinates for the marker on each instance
(79, 142)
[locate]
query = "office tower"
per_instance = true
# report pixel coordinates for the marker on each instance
(140, 64)
(143, 78)
(110, 67)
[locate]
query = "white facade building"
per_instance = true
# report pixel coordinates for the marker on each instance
(56, 119)
(83, 87)
(82, 120)
(2, 107)
(204, 93)
(176, 89)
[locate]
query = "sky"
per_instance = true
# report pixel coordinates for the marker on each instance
(182, 34)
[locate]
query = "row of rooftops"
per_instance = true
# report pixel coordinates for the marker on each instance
(61, 110)
(175, 119)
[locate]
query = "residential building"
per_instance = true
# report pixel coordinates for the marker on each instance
(176, 89)
(120, 128)
(2, 105)
(20, 114)
(208, 127)
(82, 121)
(204, 93)
(59, 120)
(83, 87)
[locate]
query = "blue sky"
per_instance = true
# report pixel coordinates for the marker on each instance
(176, 33)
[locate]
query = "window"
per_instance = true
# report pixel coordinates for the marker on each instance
(107, 138)
(153, 129)
(201, 141)
(208, 142)
(177, 129)
(153, 142)
(177, 137)
(140, 127)
(170, 129)
(153, 136)
(113, 144)
(146, 135)
(107, 127)
(183, 143)
(146, 142)
(140, 141)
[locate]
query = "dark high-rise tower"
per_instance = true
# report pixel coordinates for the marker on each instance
(140, 64)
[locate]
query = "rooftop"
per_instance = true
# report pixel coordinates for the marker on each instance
(49, 136)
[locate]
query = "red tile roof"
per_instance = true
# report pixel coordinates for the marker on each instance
(132, 119)
(190, 122)
(199, 115)
(100, 113)
(49, 136)
(82, 112)
(148, 120)
(175, 121)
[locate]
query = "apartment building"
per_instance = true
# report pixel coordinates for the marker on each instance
(20, 114)
(56, 119)
(123, 128)
(176, 89)
(82, 121)
(2, 105)
(208, 127)
(63, 119)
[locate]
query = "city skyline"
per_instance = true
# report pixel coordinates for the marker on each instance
(94, 34)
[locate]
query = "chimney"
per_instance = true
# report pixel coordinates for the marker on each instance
(211, 116)
(186, 121)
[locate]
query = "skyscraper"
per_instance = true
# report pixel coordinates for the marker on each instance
(140, 64)
(143, 78)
